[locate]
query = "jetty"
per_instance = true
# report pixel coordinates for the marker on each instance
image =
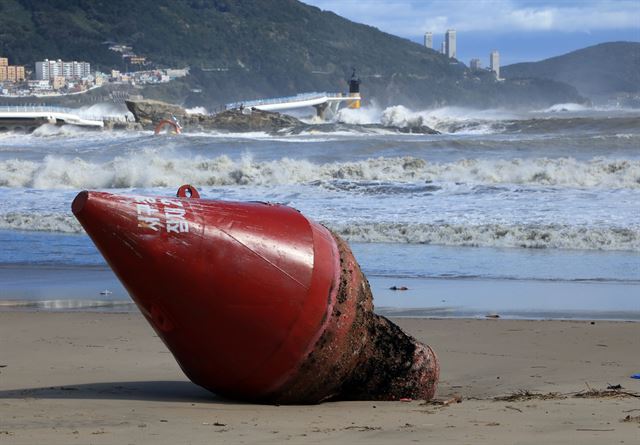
(34, 116)
(324, 103)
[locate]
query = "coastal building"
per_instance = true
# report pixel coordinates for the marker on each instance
(58, 82)
(450, 43)
(443, 48)
(39, 86)
(174, 73)
(494, 63)
(100, 79)
(475, 65)
(11, 73)
(48, 69)
(121, 48)
(136, 60)
(428, 40)
(16, 73)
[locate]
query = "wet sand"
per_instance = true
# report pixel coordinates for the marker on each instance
(105, 378)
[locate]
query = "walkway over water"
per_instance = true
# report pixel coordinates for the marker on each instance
(37, 115)
(321, 101)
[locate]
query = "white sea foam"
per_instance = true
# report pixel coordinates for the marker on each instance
(257, 135)
(197, 110)
(566, 107)
(103, 109)
(149, 169)
(484, 235)
(444, 119)
(360, 116)
(50, 130)
(40, 222)
(448, 119)
(494, 235)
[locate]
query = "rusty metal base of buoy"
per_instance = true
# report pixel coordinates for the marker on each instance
(372, 358)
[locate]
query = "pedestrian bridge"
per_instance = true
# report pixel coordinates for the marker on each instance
(323, 102)
(30, 116)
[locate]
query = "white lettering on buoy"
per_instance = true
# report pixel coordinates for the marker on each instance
(149, 215)
(175, 219)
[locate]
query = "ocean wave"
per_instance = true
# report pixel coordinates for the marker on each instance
(494, 235)
(149, 169)
(565, 107)
(359, 116)
(40, 222)
(459, 120)
(445, 120)
(51, 130)
(481, 235)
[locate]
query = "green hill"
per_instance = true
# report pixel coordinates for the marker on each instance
(242, 49)
(601, 70)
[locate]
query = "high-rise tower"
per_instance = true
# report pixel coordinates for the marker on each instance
(494, 63)
(450, 43)
(428, 39)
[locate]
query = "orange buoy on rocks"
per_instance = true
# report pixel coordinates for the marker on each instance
(255, 300)
(172, 124)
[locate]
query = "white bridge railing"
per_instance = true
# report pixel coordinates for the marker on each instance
(282, 100)
(44, 110)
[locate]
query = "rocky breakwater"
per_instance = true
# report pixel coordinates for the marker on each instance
(149, 112)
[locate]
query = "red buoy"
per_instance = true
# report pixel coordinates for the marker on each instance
(254, 300)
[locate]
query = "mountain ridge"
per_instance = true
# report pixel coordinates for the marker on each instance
(598, 71)
(244, 49)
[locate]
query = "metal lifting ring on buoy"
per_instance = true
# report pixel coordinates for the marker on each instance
(187, 191)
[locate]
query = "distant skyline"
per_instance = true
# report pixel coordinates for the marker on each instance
(521, 30)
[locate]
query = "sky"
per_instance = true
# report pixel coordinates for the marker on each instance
(521, 30)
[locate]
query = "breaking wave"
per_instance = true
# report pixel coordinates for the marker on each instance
(359, 116)
(494, 235)
(566, 107)
(148, 169)
(483, 235)
(40, 222)
(50, 130)
(459, 120)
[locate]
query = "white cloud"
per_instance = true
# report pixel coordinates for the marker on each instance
(413, 17)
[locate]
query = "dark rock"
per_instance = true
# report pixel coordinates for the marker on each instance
(409, 128)
(119, 125)
(358, 128)
(252, 120)
(416, 129)
(149, 112)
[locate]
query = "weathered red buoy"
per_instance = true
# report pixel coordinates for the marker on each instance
(254, 300)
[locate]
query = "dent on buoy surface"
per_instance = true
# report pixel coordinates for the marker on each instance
(255, 300)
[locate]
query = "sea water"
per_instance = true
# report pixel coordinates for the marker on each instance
(525, 214)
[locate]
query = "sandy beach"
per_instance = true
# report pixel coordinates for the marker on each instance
(107, 379)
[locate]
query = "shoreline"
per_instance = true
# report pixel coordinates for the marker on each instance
(95, 288)
(106, 378)
(123, 307)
